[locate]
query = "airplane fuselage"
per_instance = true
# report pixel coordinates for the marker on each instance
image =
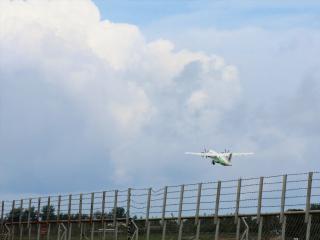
(223, 160)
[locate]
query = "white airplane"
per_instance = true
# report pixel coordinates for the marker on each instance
(223, 158)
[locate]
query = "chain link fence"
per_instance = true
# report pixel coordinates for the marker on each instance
(272, 207)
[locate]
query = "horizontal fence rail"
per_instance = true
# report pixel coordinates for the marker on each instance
(245, 204)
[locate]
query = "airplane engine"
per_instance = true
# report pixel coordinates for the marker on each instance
(230, 156)
(213, 163)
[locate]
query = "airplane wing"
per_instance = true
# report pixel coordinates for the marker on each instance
(242, 154)
(206, 154)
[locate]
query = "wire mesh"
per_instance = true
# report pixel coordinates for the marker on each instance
(272, 206)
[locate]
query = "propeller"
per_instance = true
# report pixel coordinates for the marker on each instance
(205, 151)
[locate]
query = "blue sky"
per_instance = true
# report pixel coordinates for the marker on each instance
(105, 94)
(217, 14)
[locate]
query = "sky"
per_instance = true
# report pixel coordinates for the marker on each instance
(110, 94)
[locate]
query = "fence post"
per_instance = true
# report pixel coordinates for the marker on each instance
(115, 205)
(148, 212)
(128, 206)
(2, 211)
(284, 223)
(58, 210)
(181, 203)
(238, 229)
(92, 230)
(48, 210)
(283, 197)
(216, 236)
(20, 219)
(198, 203)
(69, 208)
(21, 211)
(104, 231)
(81, 230)
(29, 212)
(91, 207)
(80, 208)
(217, 202)
(12, 210)
(164, 228)
(59, 231)
(103, 205)
(165, 192)
(198, 229)
(48, 232)
(260, 198)
(12, 232)
(38, 232)
(148, 207)
(39, 209)
(308, 196)
(308, 227)
(69, 231)
(116, 232)
(29, 232)
(148, 230)
(21, 232)
(180, 230)
(260, 228)
(236, 214)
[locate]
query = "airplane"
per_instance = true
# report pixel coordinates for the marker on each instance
(223, 158)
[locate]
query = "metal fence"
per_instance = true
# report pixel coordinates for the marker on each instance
(273, 207)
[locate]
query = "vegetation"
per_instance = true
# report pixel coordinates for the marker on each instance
(49, 213)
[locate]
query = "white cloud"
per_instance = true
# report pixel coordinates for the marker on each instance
(197, 100)
(81, 96)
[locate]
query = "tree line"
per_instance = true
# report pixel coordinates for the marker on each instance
(48, 212)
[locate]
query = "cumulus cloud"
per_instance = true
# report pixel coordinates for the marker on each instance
(85, 101)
